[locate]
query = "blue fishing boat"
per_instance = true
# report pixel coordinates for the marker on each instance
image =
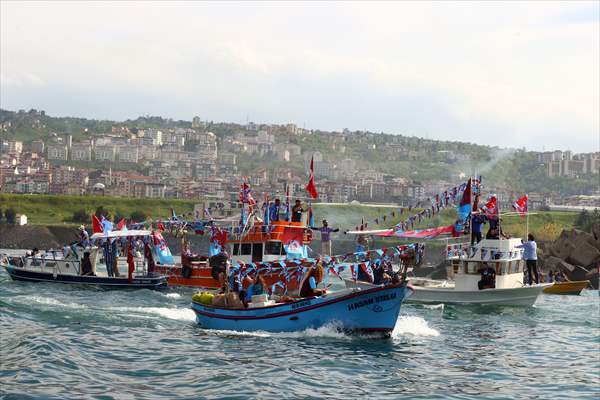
(371, 310)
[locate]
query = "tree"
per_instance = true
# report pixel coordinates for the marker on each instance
(101, 211)
(11, 215)
(138, 216)
(80, 216)
(584, 220)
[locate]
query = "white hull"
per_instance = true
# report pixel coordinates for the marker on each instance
(522, 296)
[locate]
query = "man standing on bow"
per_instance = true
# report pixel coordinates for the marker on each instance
(325, 237)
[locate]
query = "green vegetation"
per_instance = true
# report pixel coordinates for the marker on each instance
(54, 210)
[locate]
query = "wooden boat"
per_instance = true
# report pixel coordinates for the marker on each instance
(353, 309)
(500, 256)
(66, 266)
(569, 287)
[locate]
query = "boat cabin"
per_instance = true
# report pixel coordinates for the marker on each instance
(500, 256)
(264, 243)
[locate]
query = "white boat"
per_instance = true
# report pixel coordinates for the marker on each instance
(500, 257)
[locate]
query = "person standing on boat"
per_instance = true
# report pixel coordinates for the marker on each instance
(477, 222)
(84, 237)
(325, 237)
(274, 210)
(530, 257)
(297, 211)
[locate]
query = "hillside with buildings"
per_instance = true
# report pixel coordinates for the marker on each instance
(154, 157)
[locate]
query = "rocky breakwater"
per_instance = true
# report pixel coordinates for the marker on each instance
(36, 236)
(576, 253)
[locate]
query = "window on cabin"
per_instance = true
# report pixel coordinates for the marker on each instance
(236, 249)
(257, 252)
(273, 248)
(246, 249)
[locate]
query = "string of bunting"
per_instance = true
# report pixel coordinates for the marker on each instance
(295, 269)
(439, 201)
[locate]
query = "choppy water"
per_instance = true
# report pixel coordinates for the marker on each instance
(60, 341)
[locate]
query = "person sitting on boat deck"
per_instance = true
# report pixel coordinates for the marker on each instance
(530, 257)
(488, 277)
(86, 264)
(325, 237)
(218, 264)
(380, 275)
(551, 276)
(84, 237)
(274, 210)
(297, 211)
(477, 222)
(559, 277)
(256, 287)
(314, 276)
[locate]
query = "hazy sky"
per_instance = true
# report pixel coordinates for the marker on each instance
(508, 74)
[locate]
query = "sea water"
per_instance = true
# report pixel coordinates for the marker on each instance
(60, 341)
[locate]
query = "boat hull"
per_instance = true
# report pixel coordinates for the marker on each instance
(525, 296)
(567, 288)
(370, 310)
(20, 274)
(522, 296)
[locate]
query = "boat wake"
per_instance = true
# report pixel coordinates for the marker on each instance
(413, 326)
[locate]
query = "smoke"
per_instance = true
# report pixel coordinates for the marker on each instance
(474, 168)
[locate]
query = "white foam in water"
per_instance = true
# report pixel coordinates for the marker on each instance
(326, 331)
(434, 306)
(173, 295)
(180, 314)
(52, 302)
(414, 326)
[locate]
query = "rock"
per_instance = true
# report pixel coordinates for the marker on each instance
(562, 248)
(552, 262)
(584, 254)
(576, 273)
(421, 272)
(593, 277)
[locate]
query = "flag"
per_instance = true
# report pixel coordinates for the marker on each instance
(292, 234)
(130, 263)
(121, 224)
(107, 226)
(311, 188)
(96, 225)
(491, 207)
(521, 205)
(464, 207)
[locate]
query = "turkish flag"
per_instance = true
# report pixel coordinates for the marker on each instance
(311, 187)
(291, 234)
(521, 205)
(121, 224)
(96, 225)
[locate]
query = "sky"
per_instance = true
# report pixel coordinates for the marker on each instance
(509, 74)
